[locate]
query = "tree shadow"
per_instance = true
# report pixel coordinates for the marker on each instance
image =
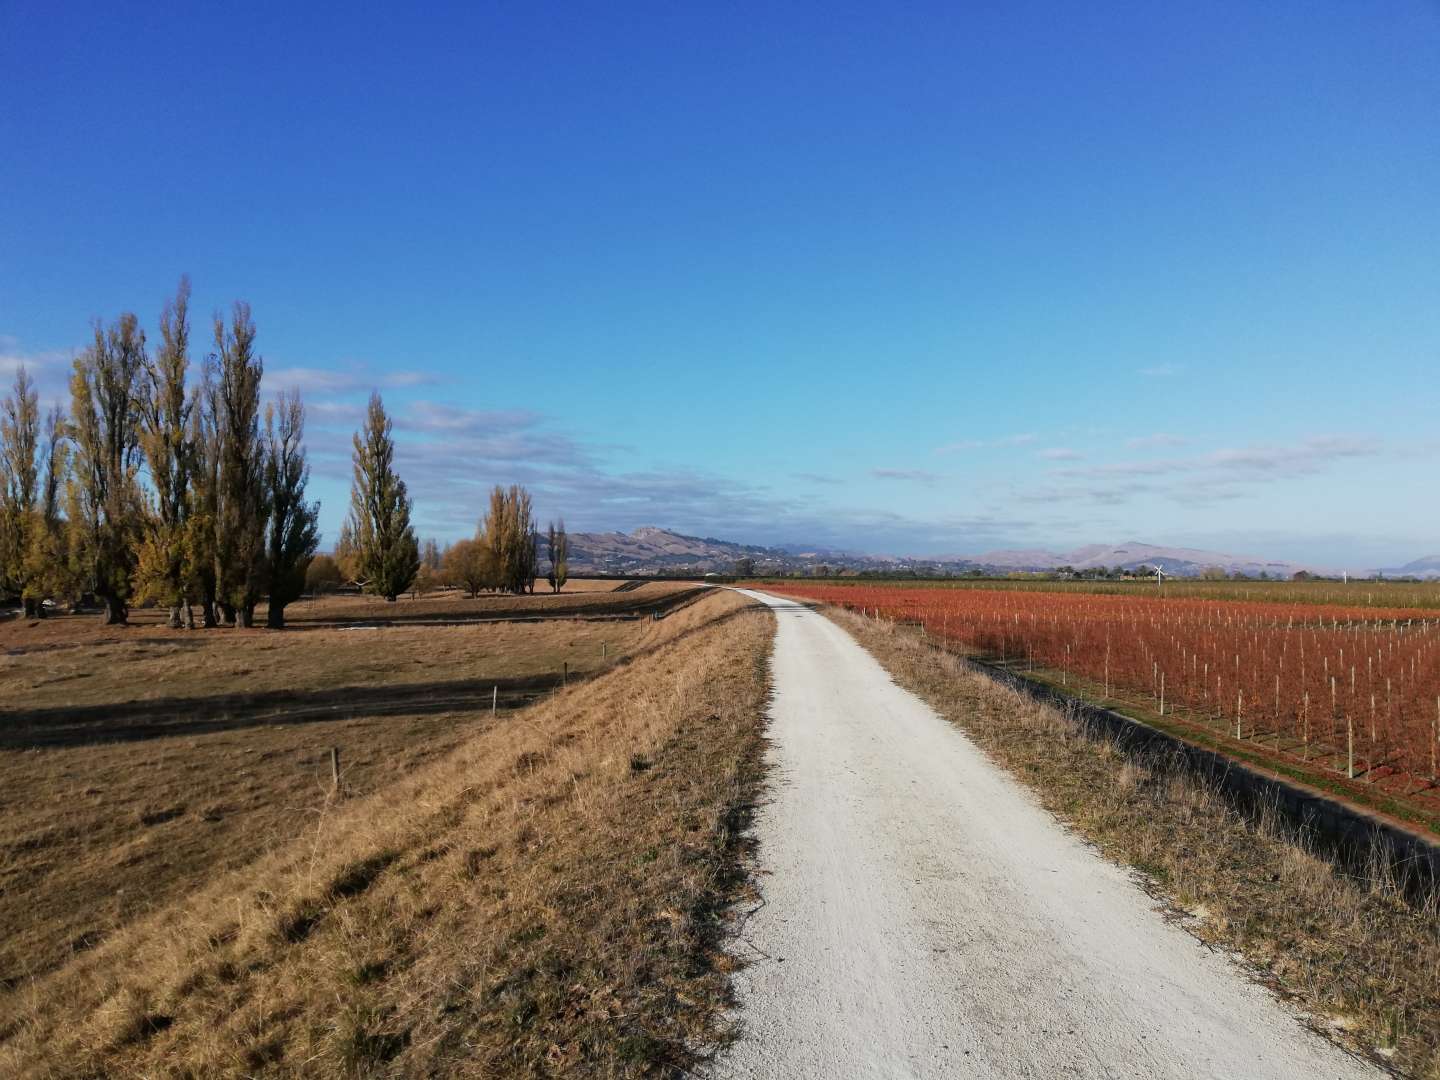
(130, 721)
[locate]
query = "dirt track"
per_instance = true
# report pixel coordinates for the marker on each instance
(923, 917)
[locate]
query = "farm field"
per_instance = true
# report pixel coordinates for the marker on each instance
(135, 762)
(1391, 595)
(1347, 694)
(503, 897)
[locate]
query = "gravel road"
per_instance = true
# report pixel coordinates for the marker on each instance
(922, 916)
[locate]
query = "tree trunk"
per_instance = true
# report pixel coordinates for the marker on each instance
(174, 623)
(245, 616)
(116, 612)
(32, 608)
(189, 617)
(275, 616)
(227, 614)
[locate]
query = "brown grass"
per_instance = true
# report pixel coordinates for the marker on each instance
(541, 901)
(1350, 952)
(136, 763)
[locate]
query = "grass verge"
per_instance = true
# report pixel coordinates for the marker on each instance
(1349, 952)
(546, 900)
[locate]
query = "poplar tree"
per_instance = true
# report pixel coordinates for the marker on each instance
(558, 547)
(241, 507)
(347, 553)
(166, 440)
(19, 484)
(200, 518)
(48, 567)
(106, 502)
(293, 533)
(510, 535)
(387, 553)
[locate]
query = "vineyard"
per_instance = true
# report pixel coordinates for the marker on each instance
(1368, 594)
(1349, 691)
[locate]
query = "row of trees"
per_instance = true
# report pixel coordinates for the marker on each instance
(165, 488)
(173, 492)
(504, 555)
(180, 491)
(472, 565)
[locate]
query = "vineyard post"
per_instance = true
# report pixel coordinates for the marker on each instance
(1350, 744)
(1239, 708)
(1162, 693)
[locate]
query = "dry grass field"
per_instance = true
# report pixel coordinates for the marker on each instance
(543, 899)
(136, 763)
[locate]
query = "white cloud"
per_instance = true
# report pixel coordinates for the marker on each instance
(49, 368)
(1159, 439)
(1218, 476)
(357, 377)
(918, 476)
(1061, 453)
(1022, 439)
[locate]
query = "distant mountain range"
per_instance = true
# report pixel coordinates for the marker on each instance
(653, 550)
(1429, 566)
(1133, 555)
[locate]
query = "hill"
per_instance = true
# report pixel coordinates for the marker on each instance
(1133, 555)
(651, 550)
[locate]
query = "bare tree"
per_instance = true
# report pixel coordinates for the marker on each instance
(105, 507)
(293, 532)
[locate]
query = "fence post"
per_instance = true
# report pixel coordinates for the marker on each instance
(335, 767)
(494, 700)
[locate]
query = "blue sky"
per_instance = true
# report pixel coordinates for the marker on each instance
(918, 279)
